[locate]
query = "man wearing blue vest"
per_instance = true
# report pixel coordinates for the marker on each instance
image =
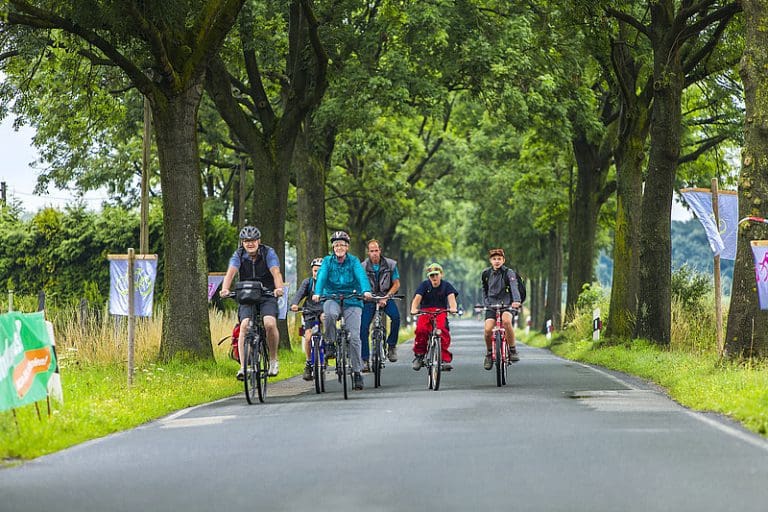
(385, 280)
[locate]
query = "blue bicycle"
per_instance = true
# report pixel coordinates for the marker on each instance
(317, 357)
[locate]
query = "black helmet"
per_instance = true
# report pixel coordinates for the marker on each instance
(317, 262)
(250, 233)
(340, 235)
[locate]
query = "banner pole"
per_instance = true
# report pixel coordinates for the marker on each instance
(131, 312)
(718, 291)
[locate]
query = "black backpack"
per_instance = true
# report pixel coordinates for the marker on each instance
(520, 281)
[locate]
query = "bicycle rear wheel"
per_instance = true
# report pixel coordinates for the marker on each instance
(505, 366)
(376, 359)
(499, 358)
(262, 373)
(250, 382)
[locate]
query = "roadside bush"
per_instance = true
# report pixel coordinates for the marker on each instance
(689, 289)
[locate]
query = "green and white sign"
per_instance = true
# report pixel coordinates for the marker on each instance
(27, 360)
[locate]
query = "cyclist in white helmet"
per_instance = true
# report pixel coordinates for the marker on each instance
(342, 273)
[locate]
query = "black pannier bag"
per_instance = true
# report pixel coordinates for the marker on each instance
(249, 292)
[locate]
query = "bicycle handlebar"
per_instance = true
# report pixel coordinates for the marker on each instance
(435, 312)
(496, 307)
(381, 297)
(233, 295)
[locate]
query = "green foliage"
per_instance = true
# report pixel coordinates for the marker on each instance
(590, 296)
(690, 288)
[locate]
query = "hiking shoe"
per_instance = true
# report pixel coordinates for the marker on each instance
(357, 381)
(366, 367)
(392, 353)
(418, 362)
(488, 361)
(240, 374)
(513, 356)
(307, 371)
(274, 368)
(447, 367)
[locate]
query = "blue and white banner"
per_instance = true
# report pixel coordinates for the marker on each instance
(282, 303)
(722, 238)
(145, 272)
(760, 255)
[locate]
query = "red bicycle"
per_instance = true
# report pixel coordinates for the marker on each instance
(433, 359)
(500, 349)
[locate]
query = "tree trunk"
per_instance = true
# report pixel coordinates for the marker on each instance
(592, 167)
(747, 332)
(629, 156)
(311, 168)
(186, 330)
(555, 278)
(653, 317)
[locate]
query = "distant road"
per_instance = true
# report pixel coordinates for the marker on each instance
(561, 437)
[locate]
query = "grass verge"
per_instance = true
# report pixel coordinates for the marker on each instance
(98, 402)
(695, 379)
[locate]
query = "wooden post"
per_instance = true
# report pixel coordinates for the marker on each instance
(718, 292)
(131, 312)
(144, 227)
(10, 300)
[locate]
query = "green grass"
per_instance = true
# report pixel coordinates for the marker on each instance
(699, 380)
(98, 402)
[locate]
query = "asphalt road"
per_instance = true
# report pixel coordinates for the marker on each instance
(560, 437)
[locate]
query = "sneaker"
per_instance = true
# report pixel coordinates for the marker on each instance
(488, 361)
(392, 353)
(307, 371)
(447, 367)
(418, 362)
(330, 351)
(240, 374)
(357, 381)
(366, 367)
(274, 368)
(513, 354)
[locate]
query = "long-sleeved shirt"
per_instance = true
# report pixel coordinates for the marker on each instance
(342, 278)
(305, 291)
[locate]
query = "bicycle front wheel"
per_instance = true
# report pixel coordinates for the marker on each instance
(250, 382)
(317, 367)
(435, 359)
(345, 373)
(499, 358)
(376, 359)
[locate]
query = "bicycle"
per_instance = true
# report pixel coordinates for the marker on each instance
(255, 342)
(378, 335)
(343, 367)
(499, 347)
(433, 358)
(317, 355)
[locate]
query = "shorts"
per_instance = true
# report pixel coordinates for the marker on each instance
(309, 319)
(491, 315)
(267, 307)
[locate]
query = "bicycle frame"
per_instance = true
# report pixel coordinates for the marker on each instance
(343, 370)
(499, 345)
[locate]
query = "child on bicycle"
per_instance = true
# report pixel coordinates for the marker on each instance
(433, 294)
(499, 287)
(311, 312)
(342, 274)
(253, 261)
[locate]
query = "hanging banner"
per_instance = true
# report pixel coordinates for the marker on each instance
(145, 272)
(214, 281)
(760, 256)
(722, 239)
(27, 359)
(282, 304)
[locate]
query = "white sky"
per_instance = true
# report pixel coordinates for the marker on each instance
(18, 152)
